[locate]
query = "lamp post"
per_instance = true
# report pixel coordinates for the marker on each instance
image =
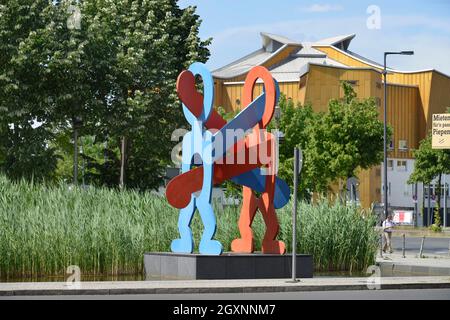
(407, 53)
(298, 164)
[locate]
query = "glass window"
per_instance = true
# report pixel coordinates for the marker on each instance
(402, 145)
(390, 164)
(401, 165)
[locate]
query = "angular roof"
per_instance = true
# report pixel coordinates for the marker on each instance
(301, 56)
(298, 64)
(341, 42)
(267, 37)
(288, 70)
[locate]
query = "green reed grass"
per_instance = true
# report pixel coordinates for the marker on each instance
(44, 229)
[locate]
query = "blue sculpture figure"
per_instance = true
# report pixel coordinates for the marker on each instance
(208, 141)
(199, 143)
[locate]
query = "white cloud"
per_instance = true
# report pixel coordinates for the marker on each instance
(322, 8)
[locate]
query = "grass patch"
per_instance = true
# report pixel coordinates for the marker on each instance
(44, 229)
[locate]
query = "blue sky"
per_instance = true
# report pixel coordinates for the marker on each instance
(422, 26)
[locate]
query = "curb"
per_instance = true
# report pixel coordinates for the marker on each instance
(393, 269)
(207, 290)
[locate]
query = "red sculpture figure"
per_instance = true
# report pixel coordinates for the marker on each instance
(265, 203)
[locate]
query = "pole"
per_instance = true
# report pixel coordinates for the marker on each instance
(75, 156)
(294, 215)
(385, 141)
(381, 245)
(421, 247)
(445, 201)
(122, 162)
(429, 205)
(83, 164)
(404, 246)
(416, 211)
(423, 205)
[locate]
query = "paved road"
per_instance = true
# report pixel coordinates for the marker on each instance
(423, 294)
(435, 246)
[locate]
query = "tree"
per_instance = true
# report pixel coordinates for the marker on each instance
(296, 123)
(349, 137)
(116, 73)
(23, 143)
(430, 163)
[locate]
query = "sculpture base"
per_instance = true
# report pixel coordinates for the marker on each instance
(175, 266)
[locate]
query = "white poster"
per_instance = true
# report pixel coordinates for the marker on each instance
(403, 217)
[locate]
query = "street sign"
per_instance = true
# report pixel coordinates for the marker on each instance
(441, 131)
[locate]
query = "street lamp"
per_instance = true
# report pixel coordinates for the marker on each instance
(406, 53)
(298, 164)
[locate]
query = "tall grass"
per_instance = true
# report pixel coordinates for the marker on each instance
(44, 229)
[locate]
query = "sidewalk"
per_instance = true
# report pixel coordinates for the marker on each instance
(219, 286)
(394, 265)
(420, 232)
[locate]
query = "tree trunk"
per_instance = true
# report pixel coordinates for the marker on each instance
(123, 158)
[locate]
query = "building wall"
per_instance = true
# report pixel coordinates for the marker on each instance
(325, 83)
(403, 107)
(337, 55)
(400, 193)
(434, 87)
(412, 99)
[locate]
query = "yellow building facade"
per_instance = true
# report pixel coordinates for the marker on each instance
(313, 73)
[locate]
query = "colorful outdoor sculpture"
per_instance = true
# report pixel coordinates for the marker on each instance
(208, 140)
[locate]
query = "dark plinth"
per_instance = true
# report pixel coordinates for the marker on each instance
(165, 266)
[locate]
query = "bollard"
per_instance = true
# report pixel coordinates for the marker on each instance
(421, 247)
(404, 246)
(449, 248)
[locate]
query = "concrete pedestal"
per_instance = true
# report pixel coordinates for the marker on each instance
(165, 266)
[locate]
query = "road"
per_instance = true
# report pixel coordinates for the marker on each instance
(423, 294)
(434, 246)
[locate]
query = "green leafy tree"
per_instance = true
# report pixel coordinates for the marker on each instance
(431, 163)
(350, 136)
(115, 72)
(24, 136)
(296, 123)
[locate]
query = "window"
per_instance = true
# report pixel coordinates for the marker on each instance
(390, 164)
(401, 165)
(378, 101)
(446, 190)
(378, 172)
(407, 191)
(428, 189)
(352, 82)
(402, 145)
(302, 83)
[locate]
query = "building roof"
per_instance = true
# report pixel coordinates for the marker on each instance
(341, 42)
(291, 69)
(300, 57)
(268, 37)
(297, 65)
